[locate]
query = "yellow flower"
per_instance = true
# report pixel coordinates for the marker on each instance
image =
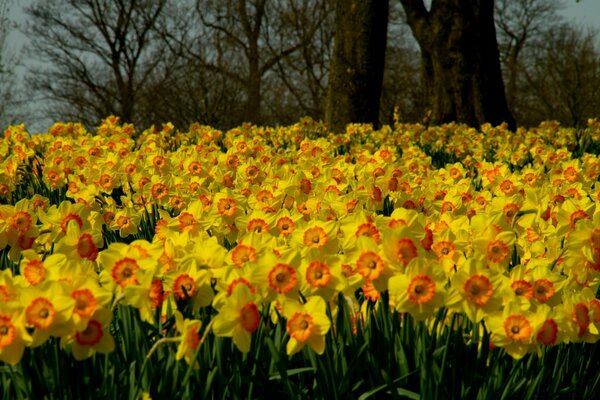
(59, 218)
(420, 290)
(512, 329)
(48, 310)
(257, 222)
(582, 312)
(190, 283)
(494, 246)
(402, 243)
(475, 290)
(356, 225)
(238, 317)
(95, 337)
(88, 296)
(276, 276)
(547, 285)
(550, 326)
(205, 254)
(147, 296)
(21, 221)
(572, 211)
(316, 236)
(306, 323)
(190, 220)
(190, 339)
(80, 246)
(583, 248)
(120, 262)
(9, 291)
(126, 221)
(322, 275)
(13, 335)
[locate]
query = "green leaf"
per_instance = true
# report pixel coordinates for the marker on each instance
(291, 372)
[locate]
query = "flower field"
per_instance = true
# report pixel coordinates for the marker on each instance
(409, 262)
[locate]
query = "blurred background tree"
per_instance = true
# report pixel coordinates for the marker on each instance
(521, 24)
(273, 62)
(562, 78)
(97, 57)
(10, 111)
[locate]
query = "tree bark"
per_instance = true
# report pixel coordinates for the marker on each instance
(252, 111)
(461, 61)
(356, 73)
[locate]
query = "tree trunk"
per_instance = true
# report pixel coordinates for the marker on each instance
(252, 112)
(461, 61)
(356, 72)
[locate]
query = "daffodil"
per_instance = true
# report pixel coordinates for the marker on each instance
(80, 246)
(94, 338)
(512, 329)
(420, 290)
(475, 290)
(205, 254)
(238, 317)
(121, 262)
(550, 326)
(494, 246)
(57, 219)
(126, 221)
(572, 211)
(367, 261)
(48, 310)
(88, 296)
(13, 335)
(322, 276)
(190, 338)
(276, 276)
(402, 243)
(147, 296)
(9, 291)
(582, 326)
(306, 324)
(316, 236)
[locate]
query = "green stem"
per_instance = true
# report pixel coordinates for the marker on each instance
(152, 350)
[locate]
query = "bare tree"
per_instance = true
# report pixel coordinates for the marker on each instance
(8, 63)
(461, 61)
(521, 23)
(563, 77)
(298, 86)
(193, 94)
(244, 40)
(96, 57)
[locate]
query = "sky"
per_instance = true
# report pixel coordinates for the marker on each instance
(583, 13)
(586, 12)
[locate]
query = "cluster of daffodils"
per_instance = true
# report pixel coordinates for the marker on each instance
(262, 225)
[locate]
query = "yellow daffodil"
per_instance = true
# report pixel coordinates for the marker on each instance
(48, 310)
(306, 324)
(419, 290)
(13, 335)
(512, 329)
(475, 290)
(190, 338)
(238, 317)
(94, 338)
